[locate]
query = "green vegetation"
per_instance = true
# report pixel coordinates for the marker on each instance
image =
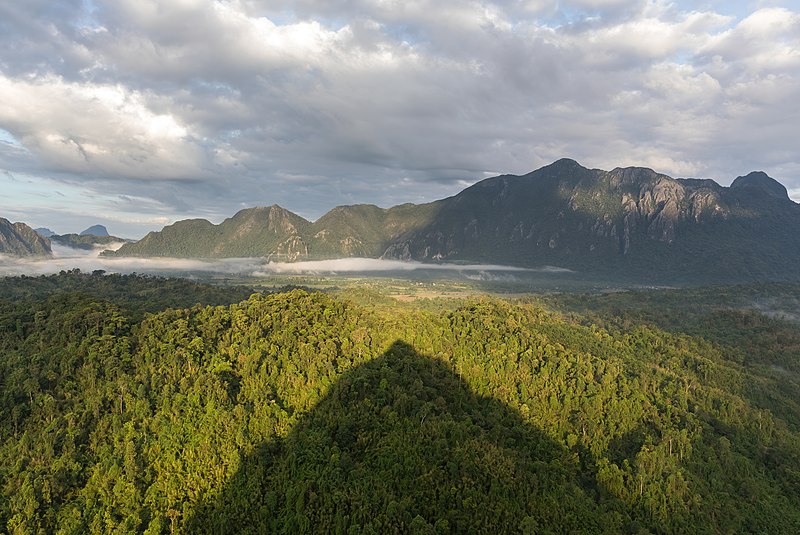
(83, 241)
(625, 225)
(135, 294)
(297, 411)
(276, 233)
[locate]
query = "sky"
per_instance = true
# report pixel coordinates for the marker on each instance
(137, 113)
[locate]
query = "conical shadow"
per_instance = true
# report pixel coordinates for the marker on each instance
(402, 445)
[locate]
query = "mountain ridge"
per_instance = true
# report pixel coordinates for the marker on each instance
(18, 239)
(630, 220)
(86, 242)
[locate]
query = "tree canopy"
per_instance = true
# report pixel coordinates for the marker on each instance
(297, 411)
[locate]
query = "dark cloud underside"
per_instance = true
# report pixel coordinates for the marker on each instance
(196, 107)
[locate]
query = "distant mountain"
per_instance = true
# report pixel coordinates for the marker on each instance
(261, 231)
(95, 230)
(280, 235)
(628, 222)
(45, 232)
(18, 239)
(84, 241)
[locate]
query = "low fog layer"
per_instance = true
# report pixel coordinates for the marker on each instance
(360, 265)
(781, 308)
(66, 258)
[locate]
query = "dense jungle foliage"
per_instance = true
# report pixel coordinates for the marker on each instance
(300, 412)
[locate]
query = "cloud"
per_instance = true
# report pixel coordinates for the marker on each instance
(203, 108)
(96, 130)
(67, 258)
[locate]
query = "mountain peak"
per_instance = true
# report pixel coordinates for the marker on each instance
(44, 232)
(18, 239)
(565, 163)
(761, 182)
(272, 210)
(95, 230)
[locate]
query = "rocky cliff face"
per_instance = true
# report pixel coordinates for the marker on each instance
(18, 239)
(625, 220)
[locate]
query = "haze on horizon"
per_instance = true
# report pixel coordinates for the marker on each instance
(134, 114)
(68, 258)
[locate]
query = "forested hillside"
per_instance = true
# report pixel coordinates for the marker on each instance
(86, 242)
(297, 411)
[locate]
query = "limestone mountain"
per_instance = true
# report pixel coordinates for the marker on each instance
(262, 231)
(85, 241)
(279, 235)
(95, 230)
(18, 239)
(44, 231)
(629, 222)
(365, 230)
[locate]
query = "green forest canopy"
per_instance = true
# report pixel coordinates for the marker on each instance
(297, 411)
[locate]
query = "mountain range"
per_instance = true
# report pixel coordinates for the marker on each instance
(94, 230)
(92, 237)
(18, 239)
(44, 231)
(85, 241)
(630, 222)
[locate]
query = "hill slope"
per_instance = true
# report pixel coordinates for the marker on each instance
(18, 239)
(292, 411)
(260, 231)
(632, 222)
(84, 241)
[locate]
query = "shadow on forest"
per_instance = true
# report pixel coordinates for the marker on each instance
(401, 444)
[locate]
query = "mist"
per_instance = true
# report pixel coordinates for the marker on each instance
(373, 265)
(782, 308)
(67, 258)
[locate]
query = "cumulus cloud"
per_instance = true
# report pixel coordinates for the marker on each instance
(94, 129)
(212, 106)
